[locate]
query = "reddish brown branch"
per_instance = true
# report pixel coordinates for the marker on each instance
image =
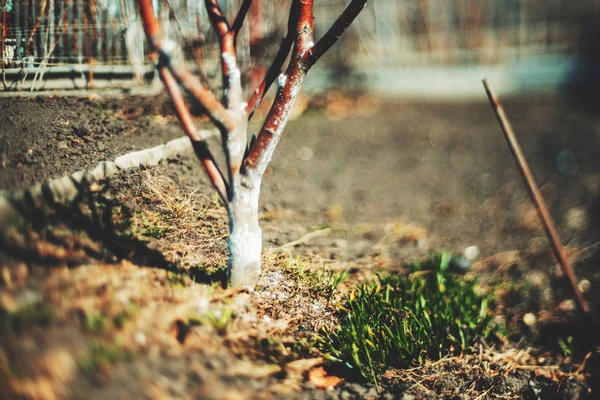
(198, 143)
(304, 28)
(536, 197)
(172, 73)
(336, 31)
(304, 55)
(275, 68)
(239, 19)
(289, 87)
(216, 17)
(170, 57)
(226, 42)
(234, 139)
(3, 46)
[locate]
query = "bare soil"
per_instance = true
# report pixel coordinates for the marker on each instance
(117, 295)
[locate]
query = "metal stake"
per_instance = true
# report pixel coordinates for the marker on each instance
(536, 196)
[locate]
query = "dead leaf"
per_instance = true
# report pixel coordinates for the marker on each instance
(321, 380)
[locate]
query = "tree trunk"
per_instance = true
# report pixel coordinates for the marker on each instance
(231, 114)
(245, 236)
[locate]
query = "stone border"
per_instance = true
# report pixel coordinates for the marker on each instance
(65, 189)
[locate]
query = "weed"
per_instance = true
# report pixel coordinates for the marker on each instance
(120, 319)
(218, 320)
(154, 230)
(328, 281)
(104, 354)
(273, 349)
(94, 322)
(567, 346)
(176, 279)
(98, 322)
(303, 347)
(26, 316)
(397, 321)
(323, 225)
(323, 280)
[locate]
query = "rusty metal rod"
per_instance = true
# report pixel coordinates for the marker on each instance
(535, 194)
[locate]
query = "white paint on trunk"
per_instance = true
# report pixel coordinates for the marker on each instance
(245, 236)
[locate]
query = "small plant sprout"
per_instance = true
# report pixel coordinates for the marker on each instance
(246, 161)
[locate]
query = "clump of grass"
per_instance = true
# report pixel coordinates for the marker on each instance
(30, 315)
(94, 322)
(218, 320)
(102, 355)
(322, 280)
(567, 346)
(398, 321)
(121, 318)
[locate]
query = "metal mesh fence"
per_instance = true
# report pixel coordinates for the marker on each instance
(389, 33)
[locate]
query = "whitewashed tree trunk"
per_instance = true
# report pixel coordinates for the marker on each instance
(245, 171)
(245, 236)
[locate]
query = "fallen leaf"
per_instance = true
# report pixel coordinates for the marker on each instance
(321, 380)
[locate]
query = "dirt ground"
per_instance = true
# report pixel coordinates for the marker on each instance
(117, 295)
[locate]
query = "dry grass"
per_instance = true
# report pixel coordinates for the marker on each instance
(188, 228)
(117, 323)
(483, 375)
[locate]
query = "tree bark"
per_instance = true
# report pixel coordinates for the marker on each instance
(245, 236)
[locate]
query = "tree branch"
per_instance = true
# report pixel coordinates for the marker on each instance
(289, 87)
(198, 143)
(239, 19)
(275, 68)
(234, 140)
(169, 55)
(336, 31)
(173, 73)
(232, 93)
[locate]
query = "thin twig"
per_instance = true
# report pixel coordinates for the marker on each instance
(306, 238)
(484, 393)
(535, 195)
(582, 365)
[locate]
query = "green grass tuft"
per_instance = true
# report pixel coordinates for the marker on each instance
(29, 315)
(322, 280)
(94, 322)
(398, 321)
(102, 354)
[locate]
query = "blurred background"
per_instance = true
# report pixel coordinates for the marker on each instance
(413, 47)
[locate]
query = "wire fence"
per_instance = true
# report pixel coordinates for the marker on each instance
(389, 33)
